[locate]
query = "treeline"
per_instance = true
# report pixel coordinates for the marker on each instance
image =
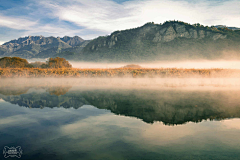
(16, 62)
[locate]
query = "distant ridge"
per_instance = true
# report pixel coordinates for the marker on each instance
(39, 46)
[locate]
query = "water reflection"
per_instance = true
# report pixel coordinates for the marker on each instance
(170, 106)
(91, 133)
(75, 122)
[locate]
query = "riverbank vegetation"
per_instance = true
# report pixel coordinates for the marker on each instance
(16, 62)
(118, 72)
(60, 67)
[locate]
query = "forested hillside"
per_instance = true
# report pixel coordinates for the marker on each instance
(172, 40)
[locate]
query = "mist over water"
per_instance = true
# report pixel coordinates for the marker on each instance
(201, 64)
(148, 83)
(187, 64)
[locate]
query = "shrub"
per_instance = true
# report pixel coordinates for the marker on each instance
(57, 63)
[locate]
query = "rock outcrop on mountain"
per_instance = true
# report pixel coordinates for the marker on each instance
(39, 46)
(72, 41)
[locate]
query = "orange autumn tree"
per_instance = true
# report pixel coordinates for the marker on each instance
(57, 63)
(14, 62)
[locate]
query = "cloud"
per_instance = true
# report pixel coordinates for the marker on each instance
(100, 15)
(53, 30)
(1, 42)
(31, 27)
(23, 27)
(108, 16)
(16, 23)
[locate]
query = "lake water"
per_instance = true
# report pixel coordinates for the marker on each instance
(68, 120)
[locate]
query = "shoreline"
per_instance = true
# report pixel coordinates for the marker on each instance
(119, 72)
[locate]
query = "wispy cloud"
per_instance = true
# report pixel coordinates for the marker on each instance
(108, 16)
(16, 23)
(52, 30)
(27, 27)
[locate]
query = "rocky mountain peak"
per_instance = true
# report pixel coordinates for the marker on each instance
(72, 41)
(37, 44)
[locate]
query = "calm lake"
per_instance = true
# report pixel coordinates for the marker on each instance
(81, 120)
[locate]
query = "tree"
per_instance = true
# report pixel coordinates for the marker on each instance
(57, 63)
(14, 62)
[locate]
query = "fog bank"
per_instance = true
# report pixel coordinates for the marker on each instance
(201, 64)
(148, 83)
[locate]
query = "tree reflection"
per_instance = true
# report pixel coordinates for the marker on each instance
(171, 107)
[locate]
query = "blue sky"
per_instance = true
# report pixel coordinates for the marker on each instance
(92, 18)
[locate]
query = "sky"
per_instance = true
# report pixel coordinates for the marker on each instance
(92, 18)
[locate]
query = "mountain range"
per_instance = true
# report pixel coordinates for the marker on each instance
(172, 40)
(40, 47)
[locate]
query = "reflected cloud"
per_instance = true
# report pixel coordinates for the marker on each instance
(160, 134)
(90, 132)
(14, 120)
(230, 124)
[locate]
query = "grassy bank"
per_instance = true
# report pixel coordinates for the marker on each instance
(120, 72)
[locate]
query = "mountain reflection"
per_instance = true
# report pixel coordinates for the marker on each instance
(169, 106)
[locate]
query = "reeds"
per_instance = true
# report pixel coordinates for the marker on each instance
(118, 72)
